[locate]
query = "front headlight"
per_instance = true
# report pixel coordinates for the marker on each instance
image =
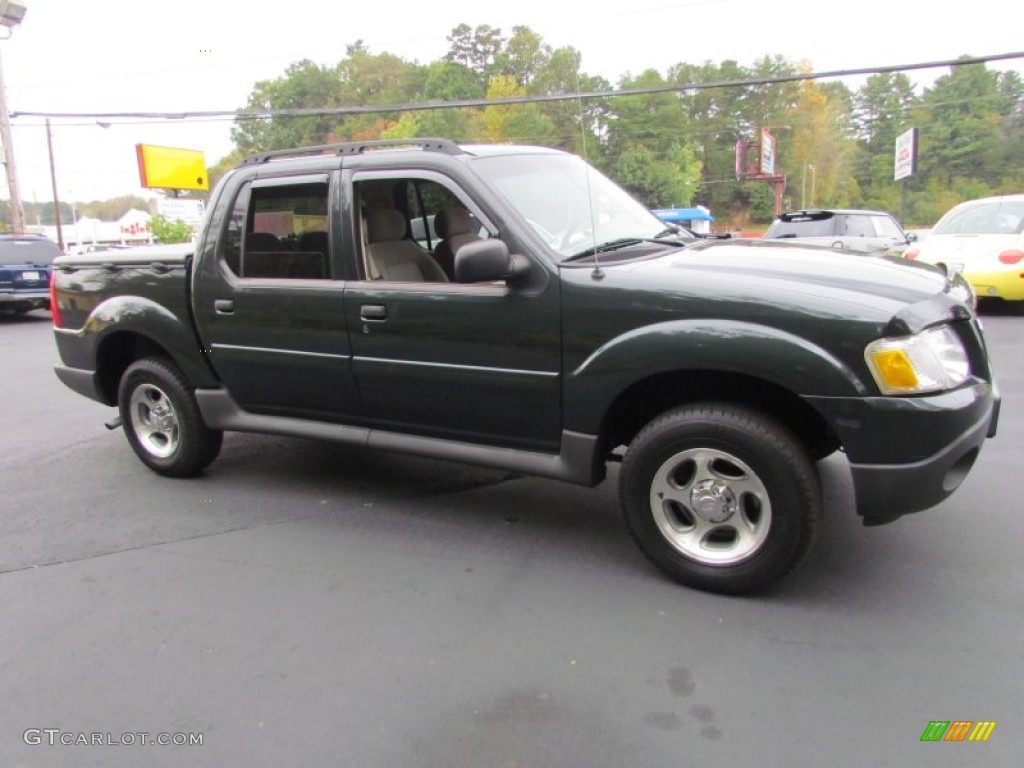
(930, 361)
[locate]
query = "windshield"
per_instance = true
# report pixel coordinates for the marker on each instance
(996, 218)
(30, 251)
(572, 205)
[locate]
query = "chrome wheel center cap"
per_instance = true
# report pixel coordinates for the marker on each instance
(163, 419)
(713, 501)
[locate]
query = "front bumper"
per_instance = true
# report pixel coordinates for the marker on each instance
(909, 454)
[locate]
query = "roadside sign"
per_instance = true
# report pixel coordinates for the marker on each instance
(906, 155)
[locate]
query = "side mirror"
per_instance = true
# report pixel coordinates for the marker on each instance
(911, 237)
(485, 261)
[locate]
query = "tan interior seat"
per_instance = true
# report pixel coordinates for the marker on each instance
(455, 227)
(393, 257)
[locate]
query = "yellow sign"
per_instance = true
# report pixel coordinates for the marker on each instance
(170, 168)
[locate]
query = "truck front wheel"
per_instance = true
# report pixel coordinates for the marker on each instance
(721, 497)
(162, 420)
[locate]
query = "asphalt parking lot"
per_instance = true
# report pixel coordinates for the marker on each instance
(308, 604)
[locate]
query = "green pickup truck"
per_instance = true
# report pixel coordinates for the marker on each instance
(512, 307)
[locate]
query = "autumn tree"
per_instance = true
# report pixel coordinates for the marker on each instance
(304, 85)
(518, 123)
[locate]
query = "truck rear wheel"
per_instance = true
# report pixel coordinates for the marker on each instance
(162, 420)
(721, 497)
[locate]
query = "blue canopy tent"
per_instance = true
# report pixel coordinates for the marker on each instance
(681, 215)
(688, 217)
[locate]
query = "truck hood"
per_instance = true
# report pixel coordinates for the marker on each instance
(802, 277)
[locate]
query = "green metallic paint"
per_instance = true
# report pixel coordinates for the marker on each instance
(503, 374)
(121, 319)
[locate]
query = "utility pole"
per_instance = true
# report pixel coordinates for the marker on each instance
(53, 182)
(17, 211)
(11, 14)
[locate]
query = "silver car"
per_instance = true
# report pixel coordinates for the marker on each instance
(855, 230)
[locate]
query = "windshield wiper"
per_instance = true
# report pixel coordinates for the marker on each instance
(611, 245)
(623, 242)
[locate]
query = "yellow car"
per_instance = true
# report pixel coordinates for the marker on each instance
(984, 240)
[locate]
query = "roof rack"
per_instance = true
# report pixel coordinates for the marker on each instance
(447, 146)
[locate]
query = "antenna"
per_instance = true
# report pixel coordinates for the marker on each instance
(597, 274)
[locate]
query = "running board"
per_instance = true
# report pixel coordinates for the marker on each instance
(576, 462)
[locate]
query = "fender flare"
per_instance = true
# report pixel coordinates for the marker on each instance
(154, 322)
(748, 349)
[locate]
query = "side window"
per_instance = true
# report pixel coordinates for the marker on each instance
(411, 228)
(279, 232)
(857, 226)
(887, 227)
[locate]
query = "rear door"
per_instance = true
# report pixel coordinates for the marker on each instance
(269, 301)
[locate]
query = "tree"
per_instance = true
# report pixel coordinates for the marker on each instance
(375, 79)
(109, 210)
(216, 171)
(169, 231)
(881, 108)
(304, 85)
(819, 139)
(520, 123)
(657, 182)
(522, 56)
(573, 121)
(475, 49)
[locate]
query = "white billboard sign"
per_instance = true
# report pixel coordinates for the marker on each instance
(906, 154)
(182, 209)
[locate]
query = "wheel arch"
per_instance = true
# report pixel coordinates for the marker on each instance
(117, 351)
(124, 329)
(647, 398)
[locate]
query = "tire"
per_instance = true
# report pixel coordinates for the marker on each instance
(162, 420)
(720, 497)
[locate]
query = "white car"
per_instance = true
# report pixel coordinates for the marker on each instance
(984, 240)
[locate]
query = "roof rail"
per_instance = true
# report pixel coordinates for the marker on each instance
(447, 146)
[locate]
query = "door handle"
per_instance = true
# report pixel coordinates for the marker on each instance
(377, 312)
(224, 306)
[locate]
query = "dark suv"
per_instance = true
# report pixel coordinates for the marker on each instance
(25, 272)
(855, 230)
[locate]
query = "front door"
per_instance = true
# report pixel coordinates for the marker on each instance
(476, 363)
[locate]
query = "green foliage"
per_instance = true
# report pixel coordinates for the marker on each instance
(216, 172)
(169, 231)
(304, 84)
(108, 210)
(762, 202)
(675, 147)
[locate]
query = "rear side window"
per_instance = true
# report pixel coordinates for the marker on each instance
(279, 232)
(31, 251)
(802, 225)
(856, 226)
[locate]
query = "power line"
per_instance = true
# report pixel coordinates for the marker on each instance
(507, 100)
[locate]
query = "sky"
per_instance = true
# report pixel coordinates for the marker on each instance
(188, 55)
